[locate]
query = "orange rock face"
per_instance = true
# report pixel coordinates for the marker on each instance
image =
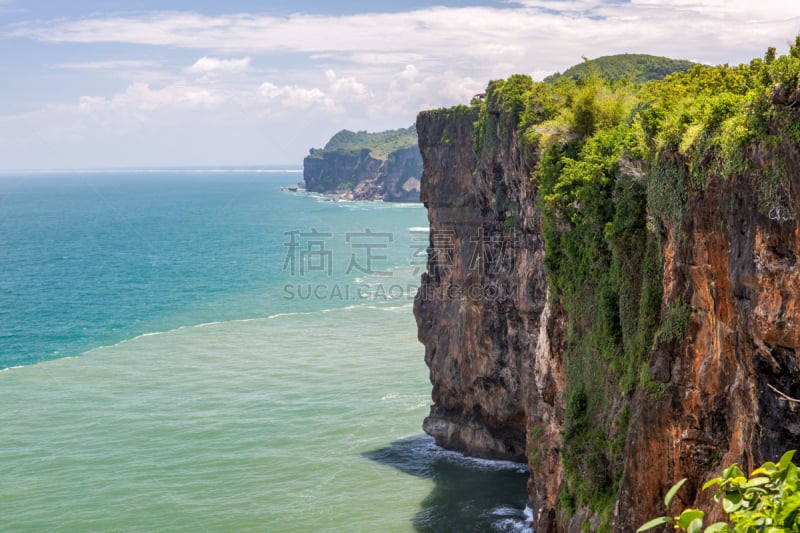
(494, 337)
(736, 267)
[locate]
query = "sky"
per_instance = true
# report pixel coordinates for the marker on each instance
(116, 84)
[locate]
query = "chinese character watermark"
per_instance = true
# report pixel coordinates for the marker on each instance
(368, 241)
(314, 258)
(438, 251)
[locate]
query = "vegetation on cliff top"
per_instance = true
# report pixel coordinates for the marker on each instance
(380, 144)
(615, 162)
(637, 68)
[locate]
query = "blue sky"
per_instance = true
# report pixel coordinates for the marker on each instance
(90, 84)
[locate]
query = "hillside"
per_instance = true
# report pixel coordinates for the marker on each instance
(638, 68)
(380, 144)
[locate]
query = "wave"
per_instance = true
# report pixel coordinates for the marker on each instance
(376, 204)
(358, 205)
(474, 463)
(37, 363)
(389, 308)
(418, 452)
(199, 326)
(511, 519)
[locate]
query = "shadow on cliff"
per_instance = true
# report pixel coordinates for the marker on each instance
(468, 494)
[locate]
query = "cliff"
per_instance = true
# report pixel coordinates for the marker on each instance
(611, 293)
(478, 306)
(367, 166)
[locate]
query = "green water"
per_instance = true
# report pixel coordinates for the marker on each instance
(276, 415)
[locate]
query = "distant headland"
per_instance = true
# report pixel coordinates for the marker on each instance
(367, 166)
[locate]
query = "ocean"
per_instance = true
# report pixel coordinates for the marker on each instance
(203, 350)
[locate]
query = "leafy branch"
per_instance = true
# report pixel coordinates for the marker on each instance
(765, 502)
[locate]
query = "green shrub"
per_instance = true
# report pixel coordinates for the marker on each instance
(768, 501)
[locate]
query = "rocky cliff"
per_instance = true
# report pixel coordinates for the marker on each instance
(475, 317)
(482, 306)
(734, 266)
(367, 166)
(611, 294)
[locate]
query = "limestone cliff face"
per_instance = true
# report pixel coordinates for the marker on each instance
(490, 340)
(494, 337)
(401, 175)
(359, 173)
(342, 171)
(735, 265)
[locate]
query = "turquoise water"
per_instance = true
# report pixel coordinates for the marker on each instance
(173, 362)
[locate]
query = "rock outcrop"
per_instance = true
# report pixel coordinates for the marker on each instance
(353, 172)
(364, 166)
(718, 375)
(491, 342)
(478, 307)
(401, 174)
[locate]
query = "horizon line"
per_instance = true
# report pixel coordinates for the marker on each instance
(166, 168)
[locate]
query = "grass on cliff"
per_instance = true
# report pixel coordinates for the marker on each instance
(615, 162)
(380, 144)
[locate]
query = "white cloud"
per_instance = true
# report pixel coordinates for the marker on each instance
(565, 6)
(410, 72)
(140, 100)
(213, 65)
(526, 36)
(314, 78)
(347, 88)
(686, 3)
(302, 98)
(381, 58)
(270, 90)
(110, 65)
(292, 97)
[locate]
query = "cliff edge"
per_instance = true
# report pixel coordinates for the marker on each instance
(612, 284)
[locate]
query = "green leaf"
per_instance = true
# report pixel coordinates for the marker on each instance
(755, 482)
(712, 482)
(719, 527)
(732, 502)
(655, 522)
(732, 471)
(767, 468)
(695, 526)
(786, 460)
(791, 506)
(790, 478)
(689, 516)
(672, 492)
